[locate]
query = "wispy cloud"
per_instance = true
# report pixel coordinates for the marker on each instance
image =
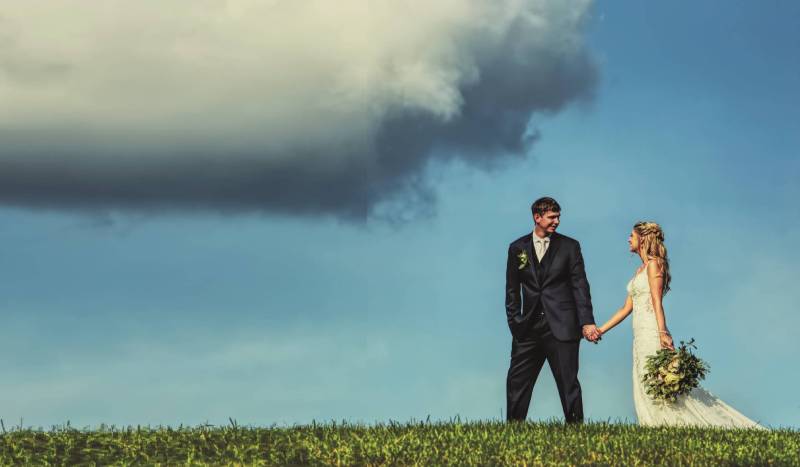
(276, 375)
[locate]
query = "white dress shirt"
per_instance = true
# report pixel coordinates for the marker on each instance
(540, 245)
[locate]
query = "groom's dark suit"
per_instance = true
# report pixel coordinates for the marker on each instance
(546, 321)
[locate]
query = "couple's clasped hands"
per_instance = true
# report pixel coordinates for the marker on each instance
(592, 334)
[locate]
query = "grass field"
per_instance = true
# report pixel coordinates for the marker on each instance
(411, 443)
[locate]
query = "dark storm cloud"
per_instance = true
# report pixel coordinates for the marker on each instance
(472, 99)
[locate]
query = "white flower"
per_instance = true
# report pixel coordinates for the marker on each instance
(523, 259)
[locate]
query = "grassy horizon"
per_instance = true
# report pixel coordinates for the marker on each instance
(408, 443)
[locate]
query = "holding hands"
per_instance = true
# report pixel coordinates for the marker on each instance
(591, 333)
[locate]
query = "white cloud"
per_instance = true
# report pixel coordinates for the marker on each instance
(283, 73)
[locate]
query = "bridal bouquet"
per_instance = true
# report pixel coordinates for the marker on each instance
(671, 373)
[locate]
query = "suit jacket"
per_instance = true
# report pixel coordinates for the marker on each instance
(558, 284)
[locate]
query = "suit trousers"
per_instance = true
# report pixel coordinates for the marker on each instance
(528, 354)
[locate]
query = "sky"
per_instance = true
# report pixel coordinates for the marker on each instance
(281, 212)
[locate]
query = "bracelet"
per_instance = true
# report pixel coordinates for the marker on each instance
(665, 332)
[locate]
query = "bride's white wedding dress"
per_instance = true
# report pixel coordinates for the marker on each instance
(699, 407)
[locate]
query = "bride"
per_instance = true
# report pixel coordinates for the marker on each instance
(645, 292)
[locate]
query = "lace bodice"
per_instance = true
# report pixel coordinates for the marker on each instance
(639, 290)
(644, 317)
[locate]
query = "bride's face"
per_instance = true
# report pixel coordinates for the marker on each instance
(633, 242)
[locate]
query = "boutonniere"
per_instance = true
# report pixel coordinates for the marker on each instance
(523, 259)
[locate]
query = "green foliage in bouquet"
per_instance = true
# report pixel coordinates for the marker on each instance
(671, 373)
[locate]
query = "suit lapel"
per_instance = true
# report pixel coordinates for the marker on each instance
(532, 261)
(549, 255)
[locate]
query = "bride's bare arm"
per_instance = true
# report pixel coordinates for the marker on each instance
(655, 277)
(620, 315)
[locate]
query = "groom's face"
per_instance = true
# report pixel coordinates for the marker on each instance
(548, 221)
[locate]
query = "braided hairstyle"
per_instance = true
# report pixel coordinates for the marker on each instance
(651, 241)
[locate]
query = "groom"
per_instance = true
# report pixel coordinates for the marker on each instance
(555, 310)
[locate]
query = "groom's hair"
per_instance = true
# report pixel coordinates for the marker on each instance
(543, 205)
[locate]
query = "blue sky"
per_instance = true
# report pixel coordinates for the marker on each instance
(121, 317)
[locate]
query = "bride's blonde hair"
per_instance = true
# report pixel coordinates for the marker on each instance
(651, 241)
